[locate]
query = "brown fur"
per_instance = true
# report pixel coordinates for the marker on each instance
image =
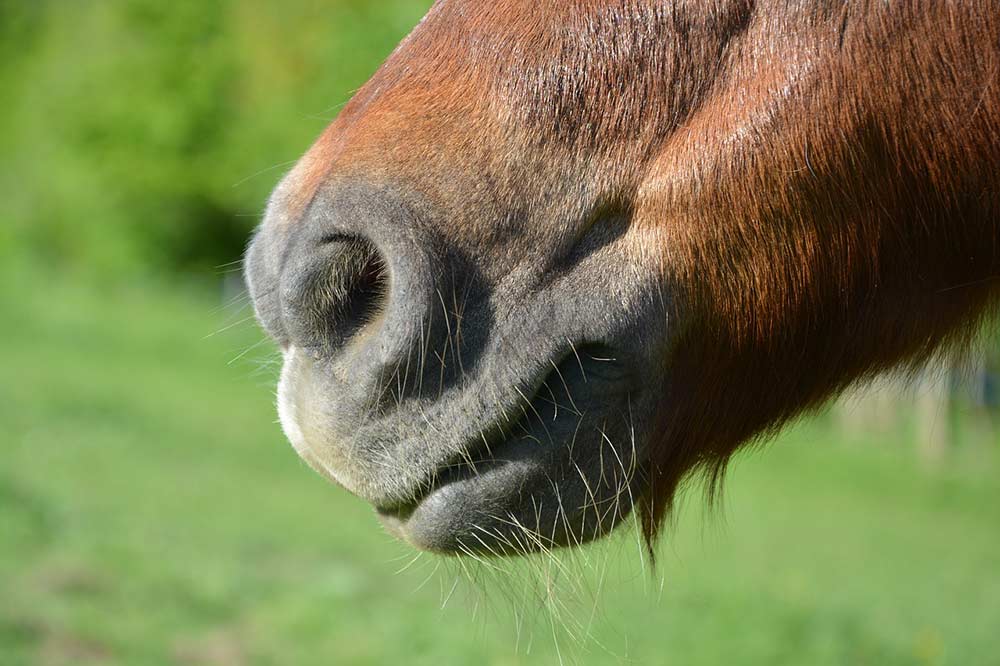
(819, 182)
(857, 229)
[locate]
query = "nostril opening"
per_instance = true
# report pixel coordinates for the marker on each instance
(366, 296)
(341, 289)
(359, 287)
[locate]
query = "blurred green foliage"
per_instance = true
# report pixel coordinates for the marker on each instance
(145, 136)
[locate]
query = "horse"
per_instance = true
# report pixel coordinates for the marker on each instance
(556, 258)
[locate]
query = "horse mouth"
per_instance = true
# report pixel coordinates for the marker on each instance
(557, 467)
(506, 492)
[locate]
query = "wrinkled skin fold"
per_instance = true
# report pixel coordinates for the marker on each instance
(555, 257)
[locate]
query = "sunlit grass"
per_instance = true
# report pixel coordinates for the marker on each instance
(151, 512)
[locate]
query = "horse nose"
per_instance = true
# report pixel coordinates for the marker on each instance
(347, 271)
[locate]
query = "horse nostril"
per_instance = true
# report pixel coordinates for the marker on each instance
(332, 290)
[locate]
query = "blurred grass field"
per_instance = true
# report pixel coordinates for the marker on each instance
(151, 513)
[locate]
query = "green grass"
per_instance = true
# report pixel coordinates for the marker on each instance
(151, 513)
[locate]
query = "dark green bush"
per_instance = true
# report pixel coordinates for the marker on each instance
(145, 136)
